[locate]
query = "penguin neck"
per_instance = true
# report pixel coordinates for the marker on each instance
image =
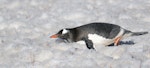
(73, 35)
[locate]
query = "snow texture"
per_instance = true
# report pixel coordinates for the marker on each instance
(25, 27)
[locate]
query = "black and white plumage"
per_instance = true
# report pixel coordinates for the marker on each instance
(96, 33)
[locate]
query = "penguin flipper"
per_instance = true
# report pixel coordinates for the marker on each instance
(89, 43)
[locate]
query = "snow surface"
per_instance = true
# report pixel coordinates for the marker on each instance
(25, 27)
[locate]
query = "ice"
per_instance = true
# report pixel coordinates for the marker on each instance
(26, 25)
(3, 26)
(125, 64)
(44, 16)
(1, 18)
(73, 16)
(43, 55)
(146, 64)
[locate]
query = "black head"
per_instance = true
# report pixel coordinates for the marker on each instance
(62, 34)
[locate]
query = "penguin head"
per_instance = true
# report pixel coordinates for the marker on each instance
(62, 34)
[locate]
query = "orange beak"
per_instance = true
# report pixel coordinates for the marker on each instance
(54, 36)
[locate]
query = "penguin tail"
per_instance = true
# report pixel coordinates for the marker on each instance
(138, 33)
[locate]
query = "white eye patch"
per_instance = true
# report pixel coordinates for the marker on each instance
(65, 31)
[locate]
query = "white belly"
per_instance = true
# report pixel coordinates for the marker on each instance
(96, 39)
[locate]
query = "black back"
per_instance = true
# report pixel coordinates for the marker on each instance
(103, 29)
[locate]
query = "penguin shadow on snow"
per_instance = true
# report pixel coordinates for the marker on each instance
(124, 43)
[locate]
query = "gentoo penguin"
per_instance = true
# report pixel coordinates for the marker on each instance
(101, 33)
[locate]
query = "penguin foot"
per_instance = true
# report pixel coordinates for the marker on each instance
(117, 40)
